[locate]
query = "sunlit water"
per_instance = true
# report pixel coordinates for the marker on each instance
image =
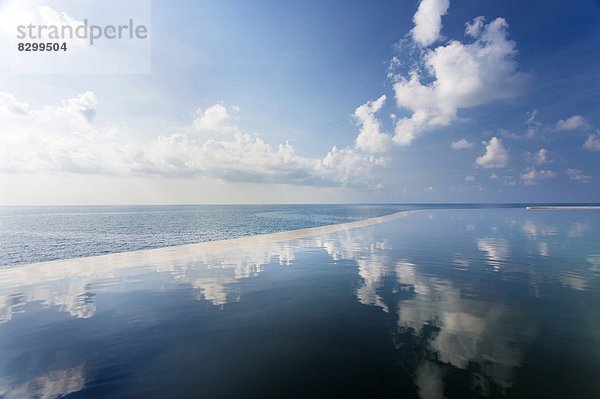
(443, 303)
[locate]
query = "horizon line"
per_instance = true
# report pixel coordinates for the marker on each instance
(527, 203)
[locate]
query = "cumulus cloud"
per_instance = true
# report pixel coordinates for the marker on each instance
(573, 123)
(347, 165)
(593, 142)
(371, 138)
(496, 156)
(470, 178)
(578, 176)
(84, 104)
(534, 126)
(216, 118)
(9, 105)
(461, 144)
(428, 21)
(81, 108)
(455, 76)
(540, 157)
(66, 138)
(446, 78)
(531, 175)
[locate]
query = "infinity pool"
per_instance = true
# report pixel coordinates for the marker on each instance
(430, 304)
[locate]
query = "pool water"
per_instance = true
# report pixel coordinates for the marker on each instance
(435, 303)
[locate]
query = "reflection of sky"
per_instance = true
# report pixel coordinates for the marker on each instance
(469, 331)
(70, 286)
(496, 250)
(54, 384)
(448, 292)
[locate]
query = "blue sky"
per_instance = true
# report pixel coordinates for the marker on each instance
(319, 101)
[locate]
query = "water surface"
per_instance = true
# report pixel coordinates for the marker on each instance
(31, 234)
(441, 303)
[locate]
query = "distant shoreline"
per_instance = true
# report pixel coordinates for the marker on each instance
(562, 208)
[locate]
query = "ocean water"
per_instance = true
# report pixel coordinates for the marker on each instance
(38, 234)
(45, 233)
(455, 303)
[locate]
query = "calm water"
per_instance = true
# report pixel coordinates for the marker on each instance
(38, 234)
(443, 303)
(45, 233)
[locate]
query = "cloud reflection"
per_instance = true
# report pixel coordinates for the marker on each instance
(467, 331)
(444, 322)
(71, 286)
(536, 229)
(212, 269)
(54, 384)
(497, 251)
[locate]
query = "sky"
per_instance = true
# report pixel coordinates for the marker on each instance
(313, 102)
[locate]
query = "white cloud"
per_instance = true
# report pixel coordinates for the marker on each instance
(493, 176)
(470, 178)
(531, 175)
(496, 156)
(215, 118)
(464, 76)
(428, 21)
(349, 167)
(74, 110)
(538, 158)
(572, 123)
(593, 142)
(84, 104)
(578, 176)
(541, 156)
(10, 105)
(533, 125)
(370, 137)
(14, 13)
(66, 138)
(461, 144)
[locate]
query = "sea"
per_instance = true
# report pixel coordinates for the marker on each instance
(30, 234)
(437, 301)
